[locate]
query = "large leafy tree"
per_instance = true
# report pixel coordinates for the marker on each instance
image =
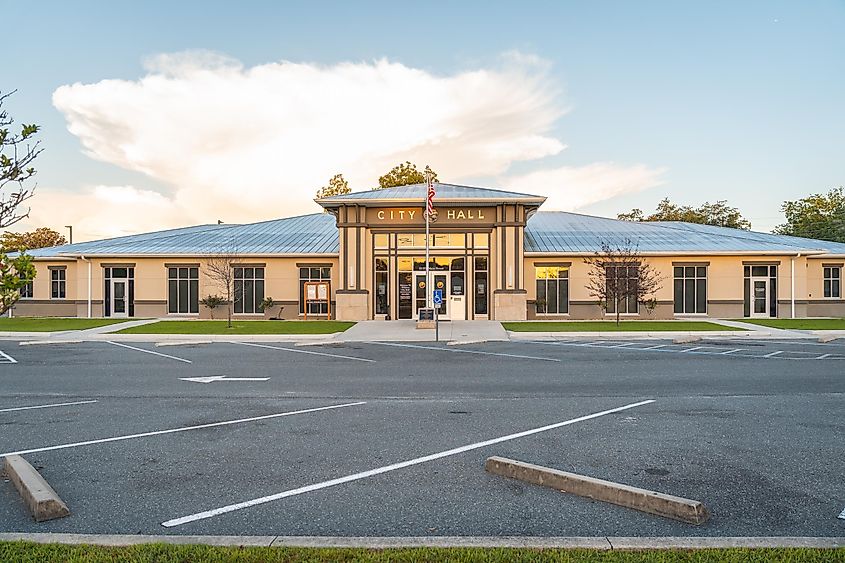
(18, 150)
(818, 216)
(337, 186)
(41, 237)
(405, 174)
(719, 213)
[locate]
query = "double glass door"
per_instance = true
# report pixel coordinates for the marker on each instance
(439, 281)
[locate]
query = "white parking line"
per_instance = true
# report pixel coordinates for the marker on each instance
(705, 351)
(150, 352)
(48, 406)
(462, 351)
(304, 351)
(9, 359)
(388, 468)
(693, 349)
(773, 354)
(842, 515)
(183, 429)
(725, 353)
(823, 356)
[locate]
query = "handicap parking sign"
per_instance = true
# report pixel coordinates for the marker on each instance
(438, 297)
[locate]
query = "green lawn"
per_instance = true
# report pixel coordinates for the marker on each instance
(798, 324)
(239, 327)
(611, 326)
(52, 324)
(159, 553)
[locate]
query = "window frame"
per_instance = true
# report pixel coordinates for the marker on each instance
(695, 278)
(828, 280)
(192, 276)
(58, 282)
(324, 273)
(27, 291)
(257, 297)
(627, 311)
(547, 269)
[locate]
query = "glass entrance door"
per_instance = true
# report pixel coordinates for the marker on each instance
(118, 299)
(438, 279)
(759, 297)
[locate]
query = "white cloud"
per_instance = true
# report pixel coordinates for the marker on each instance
(252, 143)
(572, 187)
(102, 212)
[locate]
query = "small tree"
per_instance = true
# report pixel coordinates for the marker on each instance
(719, 214)
(618, 274)
(15, 274)
(17, 153)
(818, 216)
(405, 174)
(211, 302)
(268, 303)
(337, 186)
(221, 271)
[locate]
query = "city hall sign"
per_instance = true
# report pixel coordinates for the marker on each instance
(395, 215)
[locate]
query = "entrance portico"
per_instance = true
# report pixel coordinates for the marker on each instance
(476, 249)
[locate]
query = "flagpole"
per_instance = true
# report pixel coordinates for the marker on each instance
(427, 242)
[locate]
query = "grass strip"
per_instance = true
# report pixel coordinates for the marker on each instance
(611, 326)
(798, 324)
(160, 553)
(240, 327)
(53, 324)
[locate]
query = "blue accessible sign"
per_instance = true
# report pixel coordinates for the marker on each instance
(438, 297)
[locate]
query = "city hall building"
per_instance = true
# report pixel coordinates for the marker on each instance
(494, 254)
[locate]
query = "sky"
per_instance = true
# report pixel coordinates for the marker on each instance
(163, 114)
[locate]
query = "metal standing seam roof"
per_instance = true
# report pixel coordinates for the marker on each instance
(450, 192)
(562, 232)
(547, 232)
(305, 234)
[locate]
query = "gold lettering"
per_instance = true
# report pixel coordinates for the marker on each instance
(401, 213)
(480, 214)
(450, 214)
(381, 214)
(411, 214)
(461, 214)
(470, 215)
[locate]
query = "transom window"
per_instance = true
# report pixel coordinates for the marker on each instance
(625, 278)
(249, 289)
(690, 289)
(58, 283)
(313, 274)
(832, 281)
(183, 290)
(552, 290)
(439, 240)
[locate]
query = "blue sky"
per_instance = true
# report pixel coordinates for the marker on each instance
(743, 101)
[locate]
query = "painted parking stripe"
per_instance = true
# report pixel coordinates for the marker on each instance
(304, 351)
(388, 468)
(842, 515)
(773, 354)
(463, 351)
(705, 351)
(727, 352)
(49, 406)
(7, 358)
(693, 349)
(823, 356)
(182, 429)
(150, 352)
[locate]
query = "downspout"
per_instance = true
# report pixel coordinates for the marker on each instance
(792, 283)
(89, 283)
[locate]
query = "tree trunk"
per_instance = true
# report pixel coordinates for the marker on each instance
(617, 311)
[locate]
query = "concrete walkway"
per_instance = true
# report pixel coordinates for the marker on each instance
(407, 331)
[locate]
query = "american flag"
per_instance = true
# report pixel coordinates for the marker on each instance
(429, 200)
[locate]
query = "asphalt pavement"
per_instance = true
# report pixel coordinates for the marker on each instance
(356, 439)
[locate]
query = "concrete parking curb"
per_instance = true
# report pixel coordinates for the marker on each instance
(659, 504)
(585, 542)
(43, 342)
(40, 498)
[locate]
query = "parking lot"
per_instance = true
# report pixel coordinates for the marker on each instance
(389, 439)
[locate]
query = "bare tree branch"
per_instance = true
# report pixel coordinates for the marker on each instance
(17, 153)
(221, 271)
(619, 274)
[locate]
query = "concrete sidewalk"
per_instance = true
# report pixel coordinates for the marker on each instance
(407, 331)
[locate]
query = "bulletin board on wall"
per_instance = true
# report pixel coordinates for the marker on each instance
(318, 292)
